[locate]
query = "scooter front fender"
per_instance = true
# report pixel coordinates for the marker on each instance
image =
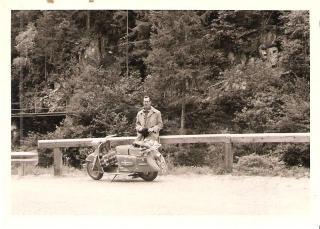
(90, 157)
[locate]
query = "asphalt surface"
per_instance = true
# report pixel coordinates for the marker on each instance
(167, 195)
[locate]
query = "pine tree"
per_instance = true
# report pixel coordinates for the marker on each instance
(181, 60)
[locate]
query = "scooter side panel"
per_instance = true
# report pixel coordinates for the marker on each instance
(126, 163)
(129, 163)
(123, 149)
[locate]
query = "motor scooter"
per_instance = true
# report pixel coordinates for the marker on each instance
(141, 159)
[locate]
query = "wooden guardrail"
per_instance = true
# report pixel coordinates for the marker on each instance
(227, 139)
(22, 159)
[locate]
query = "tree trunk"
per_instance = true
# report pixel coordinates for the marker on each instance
(45, 66)
(88, 20)
(127, 46)
(183, 110)
(102, 46)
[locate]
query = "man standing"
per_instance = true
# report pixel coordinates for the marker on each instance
(148, 122)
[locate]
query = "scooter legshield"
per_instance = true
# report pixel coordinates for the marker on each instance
(90, 157)
(97, 165)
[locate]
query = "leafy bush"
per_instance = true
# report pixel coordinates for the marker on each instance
(295, 154)
(267, 166)
(186, 155)
(253, 148)
(45, 157)
(253, 160)
(215, 155)
(192, 156)
(76, 157)
(258, 165)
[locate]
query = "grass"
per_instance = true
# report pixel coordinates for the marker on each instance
(282, 171)
(295, 171)
(204, 170)
(36, 170)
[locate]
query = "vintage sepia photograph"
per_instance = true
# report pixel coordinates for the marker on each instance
(160, 112)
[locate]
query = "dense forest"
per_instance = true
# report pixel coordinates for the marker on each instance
(206, 71)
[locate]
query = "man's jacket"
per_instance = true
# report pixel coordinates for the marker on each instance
(149, 119)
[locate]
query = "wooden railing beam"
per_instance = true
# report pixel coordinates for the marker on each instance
(227, 139)
(270, 137)
(178, 139)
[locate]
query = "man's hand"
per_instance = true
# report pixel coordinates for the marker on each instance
(144, 132)
(153, 129)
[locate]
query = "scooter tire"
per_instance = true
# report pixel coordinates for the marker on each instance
(150, 176)
(96, 175)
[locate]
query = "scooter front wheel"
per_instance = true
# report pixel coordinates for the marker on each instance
(96, 175)
(150, 176)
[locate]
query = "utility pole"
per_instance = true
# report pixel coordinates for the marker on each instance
(127, 49)
(21, 94)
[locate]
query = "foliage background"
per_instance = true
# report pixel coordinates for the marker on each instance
(202, 69)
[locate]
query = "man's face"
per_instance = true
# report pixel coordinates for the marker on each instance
(146, 103)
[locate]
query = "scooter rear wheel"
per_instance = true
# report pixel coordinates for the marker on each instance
(150, 176)
(96, 175)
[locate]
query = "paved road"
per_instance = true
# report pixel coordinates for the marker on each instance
(183, 194)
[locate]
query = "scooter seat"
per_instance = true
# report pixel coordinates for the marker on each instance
(135, 151)
(123, 149)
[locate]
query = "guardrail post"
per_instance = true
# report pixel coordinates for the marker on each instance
(228, 156)
(57, 162)
(22, 169)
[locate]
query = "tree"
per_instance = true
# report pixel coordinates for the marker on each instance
(181, 60)
(22, 65)
(295, 43)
